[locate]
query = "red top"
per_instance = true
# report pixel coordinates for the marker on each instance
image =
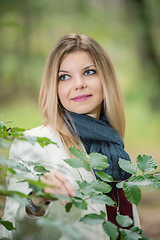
(125, 207)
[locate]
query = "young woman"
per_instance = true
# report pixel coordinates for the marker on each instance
(82, 105)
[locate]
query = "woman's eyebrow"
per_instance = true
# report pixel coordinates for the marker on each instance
(64, 71)
(89, 66)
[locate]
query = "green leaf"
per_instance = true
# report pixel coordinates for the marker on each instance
(6, 192)
(104, 176)
(92, 219)
(132, 193)
(17, 129)
(146, 163)
(35, 185)
(124, 221)
(103, 214)
(110, 229)
(136, 230)
(12, 163)
(89, 188)
(68, 206)
(80, 203)
(77, 163)
(153, 181)
(8, 225)
(40, 169)
(138, 180)
(81, 157)
(157, 175)
(43, 141)
(85, 187)
(100, 186)
(79, 154)
(128, 235)
(127, 166)
(102, 199)
(98, 161)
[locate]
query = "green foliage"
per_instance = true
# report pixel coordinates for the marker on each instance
(94, 191)
(146, 163)
(110, 229)
(92, 219)
(8, 225)
(128, 166)
(124, 221)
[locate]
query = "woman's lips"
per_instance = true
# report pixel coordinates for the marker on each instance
(82, 98)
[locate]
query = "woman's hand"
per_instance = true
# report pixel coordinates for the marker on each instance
(60, 185)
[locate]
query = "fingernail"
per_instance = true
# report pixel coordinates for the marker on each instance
(72, 194)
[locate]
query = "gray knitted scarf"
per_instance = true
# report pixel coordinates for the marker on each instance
(98, 136)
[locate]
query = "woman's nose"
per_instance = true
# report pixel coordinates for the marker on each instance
(79, 83)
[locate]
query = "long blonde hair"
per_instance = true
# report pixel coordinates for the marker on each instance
(50, 106)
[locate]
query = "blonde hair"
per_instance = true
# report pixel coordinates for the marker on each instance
(50, 106)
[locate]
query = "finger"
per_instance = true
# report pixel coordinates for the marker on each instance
(68, 186)
(57, 186)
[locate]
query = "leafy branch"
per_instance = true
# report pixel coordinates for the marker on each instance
(142, 175)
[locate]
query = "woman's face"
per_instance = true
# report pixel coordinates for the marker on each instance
(80, 89)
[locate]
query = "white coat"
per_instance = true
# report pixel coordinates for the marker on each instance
(51, 157)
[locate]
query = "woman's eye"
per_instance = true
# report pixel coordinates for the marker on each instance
(90, 72)
(64, 77)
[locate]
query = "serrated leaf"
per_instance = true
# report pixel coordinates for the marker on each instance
(100, 186)
(35, 185)
(153, 181)
(8, 225)
(79, 154)
(136, 230)
(104, 176)
(40, 169)
(127, 166)
(102, 199)
(103, 214)
(138, 180)
(98, 161)
(68, 206)
(43, 141)
(157, 175)
(81, 204)
(132, 193)
(17, 129)
(146, 163)
(128, 235)
(78, 163)
(85, 187)
(15, 165)
(110, 229)
(124, 221)
(92, 219)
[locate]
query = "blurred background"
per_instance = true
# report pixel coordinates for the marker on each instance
(129, 32)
